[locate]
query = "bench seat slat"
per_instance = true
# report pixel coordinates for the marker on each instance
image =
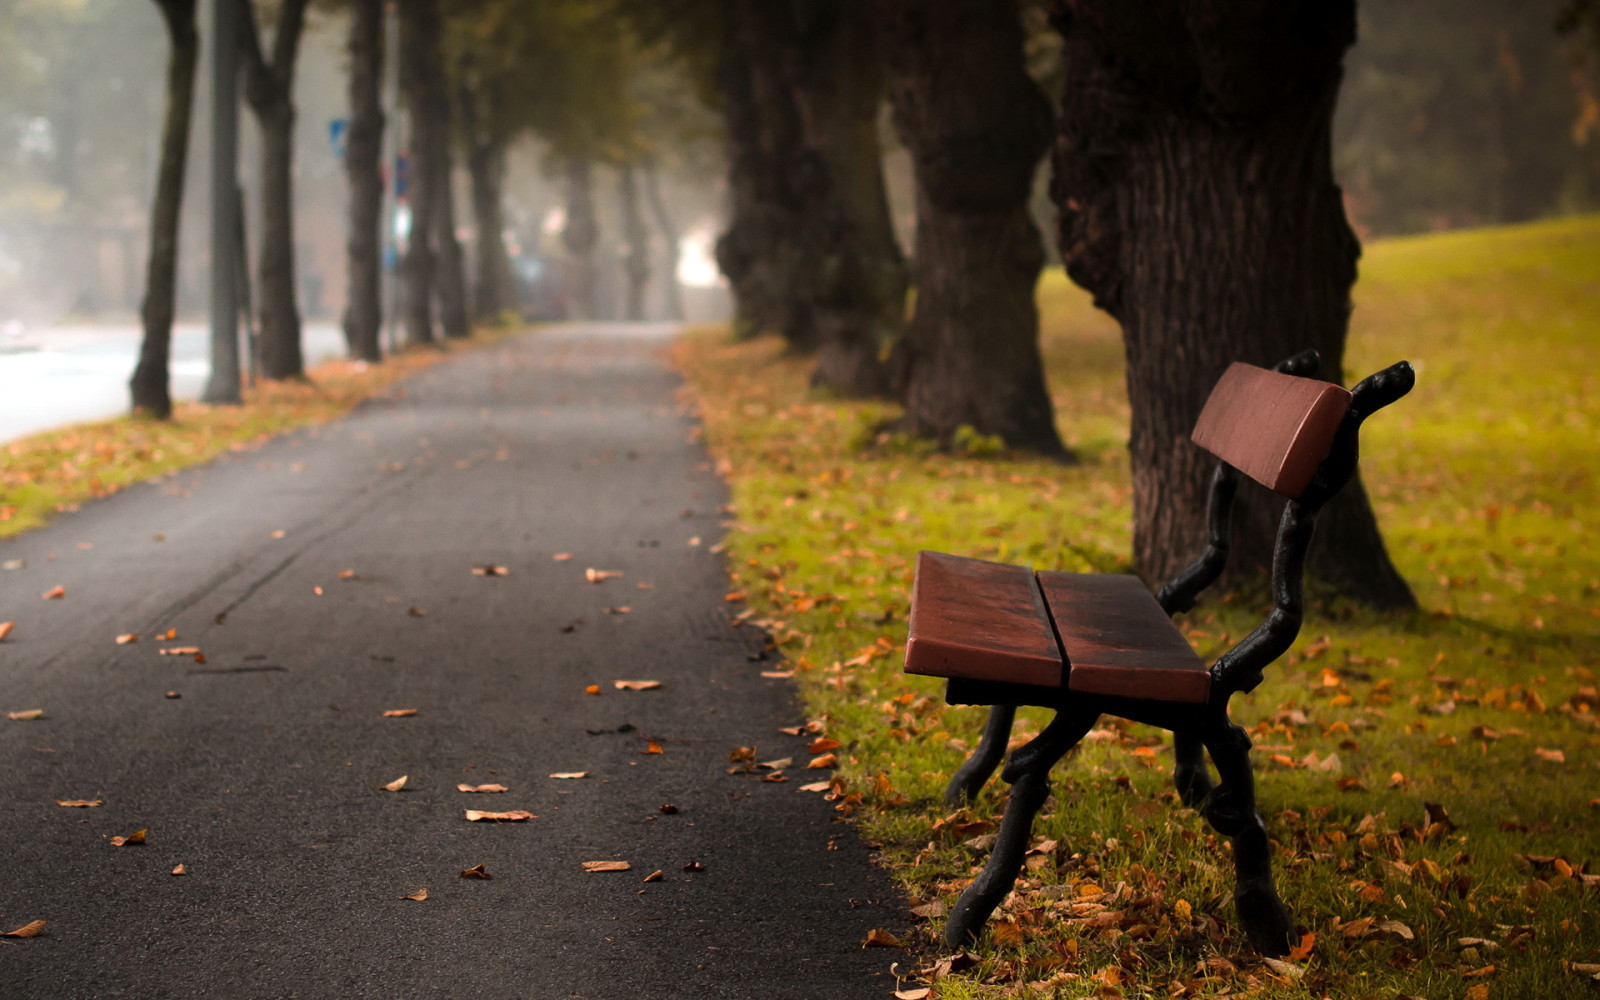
(1275, 428)
(980, 620)
(1118, 641)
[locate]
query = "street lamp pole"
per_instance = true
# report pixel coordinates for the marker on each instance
(223, 386)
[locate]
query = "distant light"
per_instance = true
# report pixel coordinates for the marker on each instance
(697, 268)
(555, 220)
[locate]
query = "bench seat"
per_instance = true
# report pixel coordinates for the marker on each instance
(1097, 633)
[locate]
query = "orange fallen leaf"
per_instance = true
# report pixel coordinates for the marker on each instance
(136, 837)
(396, 784)
(27, 930)
(512, 816)
(173, 694)
(592, 689)
(1553, 756)
(399, 713)
(620, 610)
(653, 747)
(123, 640)
(416, 612)
(823, 745)
(180, 870)
(826, 760)
(80, 803)
(600, 575)
(777, 675)
(490, 570)
(482, 788)
(419, 895)
(920, 993)
(562, 556)
(570, 774)
(635, 685)
(347, 574)
(180, 651)
(54, 593)
(815, 786)
(1479, 991)
(28, 716)
(880, 938)
(5, 629)
(167, 636)
(606, 866)
(476, 871)
(1302, 951)
(655, 876)
(278, 534)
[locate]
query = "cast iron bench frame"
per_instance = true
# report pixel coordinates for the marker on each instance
(1088, 644)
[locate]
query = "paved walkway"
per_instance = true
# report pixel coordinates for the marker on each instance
(328, 579)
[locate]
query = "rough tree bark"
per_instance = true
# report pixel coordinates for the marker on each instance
(493, 287)
(363, 312)
(269, 89)
(851, 265)
(419, 33)
(976, 126)
(670, 236)
(581, 235)
(450, 267)
(759, 251)
(636, 248)
(150, 386)
(1197, 203)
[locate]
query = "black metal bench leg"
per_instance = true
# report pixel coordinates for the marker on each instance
(1190, 773)
(1028, 771)
(1231, 810)
(970, 778)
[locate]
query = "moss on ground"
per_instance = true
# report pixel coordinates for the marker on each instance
(1483, 705)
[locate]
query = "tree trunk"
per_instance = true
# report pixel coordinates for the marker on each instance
(669, 235)
(1197, 203)
(852, 265)
(636, 249)
(270, 90)
(363, 313)
(419, 32)
(451, 273)
(582, 235)
(151, 386)
(759, 251)
(493, 287)
(970, 356)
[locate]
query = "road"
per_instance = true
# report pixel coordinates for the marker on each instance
(328, 579)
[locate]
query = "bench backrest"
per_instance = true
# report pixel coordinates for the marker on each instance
(1275, 428)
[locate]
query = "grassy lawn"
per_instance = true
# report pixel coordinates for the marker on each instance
(58, 469)
(1483, 705)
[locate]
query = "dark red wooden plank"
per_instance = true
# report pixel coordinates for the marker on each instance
(981, 620)
(1118, 641)
(1274, 428)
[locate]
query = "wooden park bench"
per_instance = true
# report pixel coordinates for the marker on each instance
(1087, 644)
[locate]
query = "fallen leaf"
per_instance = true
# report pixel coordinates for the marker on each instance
(1478, 992)
(399, 713)
(653, 747)
(880, 938)
(180, 870)
(1553, 756)
(635, 685)
(826, 760)
(619, 610)
(27, 930)
(777, 675)
(168, 635)
(668, 808)
(173, 694)
(396, 784)
(476, 871)
(180, 651)
(1396, 928)
(419, 895)
(928, 911)
(606, 866)
(694, 866)
(136, 837)
(815, 786)
(562, 556)
(347, 574)
(482, 788)
(5, 629)
(123, 640)
(54, 593)
(592, 689)
(655, 876)
(277, 534)
(600, 575)
(416, 612)
(28, 716)
(513, 816)
(80, 803)
(823, 745)
(1302, 951)
(490, 570)
(777, 765)
(738, 754)
(921, 993)
(568, 775)
(1284, 969)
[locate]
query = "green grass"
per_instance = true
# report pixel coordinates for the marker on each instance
(1483, 704)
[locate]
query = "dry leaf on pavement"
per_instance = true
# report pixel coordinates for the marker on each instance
(396, 784)
(815, 786)
(490, 570)
(136, 837)
(419, 895)
(606, 866)
(27, 930)
(180, 651)
(920, 993)
(54, 593)
(399, 713)
(636, 685)
(476, 871)
(600, 575)
(570, 774)
(653, 747)
(562, 556)
(28, 716)
(482, 788)
(79, 803)
(880, 938)
(826, 760)
(655, 876)
(512, 816)
(5, 629)
(592, 689)
(123, 640)
(180, 870)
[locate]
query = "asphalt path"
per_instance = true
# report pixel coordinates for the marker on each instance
(327, 578)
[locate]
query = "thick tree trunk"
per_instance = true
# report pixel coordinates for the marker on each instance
(363, 313)
(270, 91)
(151, 385)
(852, 266)
(636, 249)
(669, 236)
(759, 253)
(451, 265)
(493, 288)
(419, 33)
(581, 236)
(970, 356)
(1198, 205)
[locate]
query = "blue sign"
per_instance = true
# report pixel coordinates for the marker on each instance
(339, 136)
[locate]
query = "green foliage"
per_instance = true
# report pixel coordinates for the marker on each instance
(1485, 703)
